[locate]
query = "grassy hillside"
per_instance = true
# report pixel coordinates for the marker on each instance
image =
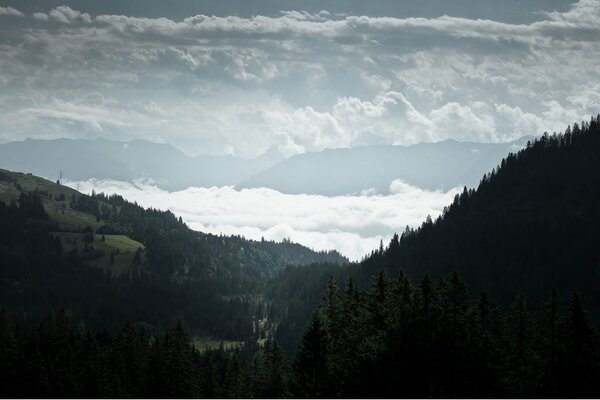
(15, 182)
(69, 222)
(114, 253)
(110, 261)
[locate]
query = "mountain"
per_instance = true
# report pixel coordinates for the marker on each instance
(531, 226)
(526, 242)
(532, 223)
(163, 164)
(433, 166)
(126, 274)
(109, 262)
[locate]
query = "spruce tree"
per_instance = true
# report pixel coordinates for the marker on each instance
(311, 366)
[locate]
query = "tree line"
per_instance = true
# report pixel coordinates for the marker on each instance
(532, 224)
(433, 339)
(213, 283)
(55, 359)
(430, 338)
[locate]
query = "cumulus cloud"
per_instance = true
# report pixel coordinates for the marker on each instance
(40, 16)
(584, 12)
(300, 81)
(66, 15)
(353, 225)
(10, 11)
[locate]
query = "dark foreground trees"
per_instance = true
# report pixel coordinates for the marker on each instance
(432, 339)
(399, 339)
(54, 359)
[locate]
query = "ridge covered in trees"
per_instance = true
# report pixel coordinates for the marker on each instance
(532, 224)
(59, 248)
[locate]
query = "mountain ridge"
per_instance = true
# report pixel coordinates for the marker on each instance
(343, 171)
(111, 261)
(101, 158)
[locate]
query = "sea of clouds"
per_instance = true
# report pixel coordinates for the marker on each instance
(352, 224)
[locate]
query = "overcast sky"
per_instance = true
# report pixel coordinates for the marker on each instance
(236, 77)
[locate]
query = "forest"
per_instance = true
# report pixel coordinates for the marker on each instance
(495, 298)
(213, 284)
(398, 339)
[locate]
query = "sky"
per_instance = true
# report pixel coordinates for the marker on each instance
(352, 225)
(238, 77)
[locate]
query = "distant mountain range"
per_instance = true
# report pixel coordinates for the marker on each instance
(166, 166)
(442, 165)
(432, 166)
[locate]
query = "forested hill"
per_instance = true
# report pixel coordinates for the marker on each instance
(108, 261)
(533, 224)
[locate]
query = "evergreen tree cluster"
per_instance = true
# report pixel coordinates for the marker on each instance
(433, 339)
(51, 359)
(532, 224)
(213, 283)
(398, 339)
(37, 275)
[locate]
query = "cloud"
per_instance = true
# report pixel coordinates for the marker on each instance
(300, 81)
(584, 12)
(10, 11)
(66, 15)
(352, 225)
(40, 16)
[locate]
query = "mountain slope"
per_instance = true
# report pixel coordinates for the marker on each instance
(109, 261)
(533, 224)
(168, 167)
(433, 166)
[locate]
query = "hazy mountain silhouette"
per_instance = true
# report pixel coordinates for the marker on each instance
(433, 166)
(167, 166)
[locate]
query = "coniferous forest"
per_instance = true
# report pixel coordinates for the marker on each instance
(497, 297)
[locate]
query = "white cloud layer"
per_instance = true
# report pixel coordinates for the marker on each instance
(353, 225)
(66, 15)
(300, 81)
(10, 11)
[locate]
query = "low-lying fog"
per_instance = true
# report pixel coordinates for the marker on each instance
(353, 225)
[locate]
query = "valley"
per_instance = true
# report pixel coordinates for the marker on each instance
(119, 267)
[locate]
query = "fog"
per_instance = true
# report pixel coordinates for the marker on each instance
(353, 225)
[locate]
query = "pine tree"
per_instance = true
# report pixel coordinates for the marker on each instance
(181, 373)
(579, 364)
(311, 366)
(7, 356)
